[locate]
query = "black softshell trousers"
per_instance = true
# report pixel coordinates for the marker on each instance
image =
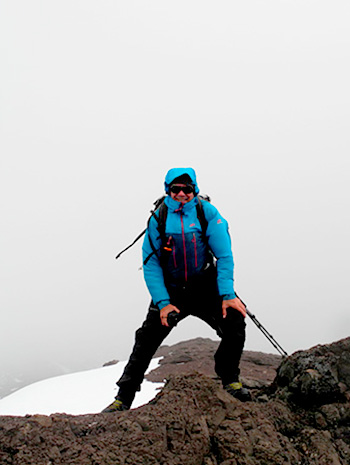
(199, 298)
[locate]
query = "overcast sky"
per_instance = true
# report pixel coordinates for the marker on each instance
(99, 99)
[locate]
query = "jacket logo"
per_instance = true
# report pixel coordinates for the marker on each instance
(219, 221)
(193, 224)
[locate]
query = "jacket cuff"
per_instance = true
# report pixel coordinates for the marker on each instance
(229, 296)
(162, 304)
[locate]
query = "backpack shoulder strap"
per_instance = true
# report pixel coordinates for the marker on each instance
(201, 216)
(162, 216)
(162, 210)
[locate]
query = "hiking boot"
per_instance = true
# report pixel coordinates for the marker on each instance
(238, 391)
(116, 406)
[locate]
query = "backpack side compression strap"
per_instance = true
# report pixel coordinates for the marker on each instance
(157, 205)
(128, 247)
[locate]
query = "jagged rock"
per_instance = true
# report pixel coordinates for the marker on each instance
(317, 376)
(193, 421)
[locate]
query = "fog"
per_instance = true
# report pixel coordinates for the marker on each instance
(99, 99)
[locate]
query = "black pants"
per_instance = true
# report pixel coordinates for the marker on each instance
(201, 299)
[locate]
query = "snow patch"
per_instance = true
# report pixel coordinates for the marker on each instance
(76, 394)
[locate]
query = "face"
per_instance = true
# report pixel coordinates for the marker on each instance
(181, 196)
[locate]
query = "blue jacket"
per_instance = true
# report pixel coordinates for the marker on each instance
(188, 252)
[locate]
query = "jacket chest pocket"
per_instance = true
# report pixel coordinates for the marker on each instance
(194, 241)
(170, 248)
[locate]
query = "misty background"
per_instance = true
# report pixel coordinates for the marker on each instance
(99, 99)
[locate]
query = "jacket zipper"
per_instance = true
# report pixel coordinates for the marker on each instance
(195, 250)
(184, 243)
(167, 247)
(174, 253)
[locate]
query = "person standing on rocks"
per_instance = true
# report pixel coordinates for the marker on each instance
(188, 269)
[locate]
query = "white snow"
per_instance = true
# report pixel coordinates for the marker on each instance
(77, 394)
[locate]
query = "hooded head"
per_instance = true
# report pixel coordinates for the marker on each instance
(181, 176)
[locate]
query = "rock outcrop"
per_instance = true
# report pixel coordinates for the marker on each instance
(302, 418)
(317, 376)
(257, 369)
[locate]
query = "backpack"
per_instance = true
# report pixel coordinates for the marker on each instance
(162, 209)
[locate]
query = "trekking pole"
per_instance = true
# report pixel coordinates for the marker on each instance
(269, 336)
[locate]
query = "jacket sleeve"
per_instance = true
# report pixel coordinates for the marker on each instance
(152, 270)
(219, 241)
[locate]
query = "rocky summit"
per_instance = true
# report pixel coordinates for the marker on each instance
(301, 417)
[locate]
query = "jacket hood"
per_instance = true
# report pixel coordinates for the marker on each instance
(175, 173)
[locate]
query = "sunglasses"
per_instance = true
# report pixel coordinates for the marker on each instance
(185, 189)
